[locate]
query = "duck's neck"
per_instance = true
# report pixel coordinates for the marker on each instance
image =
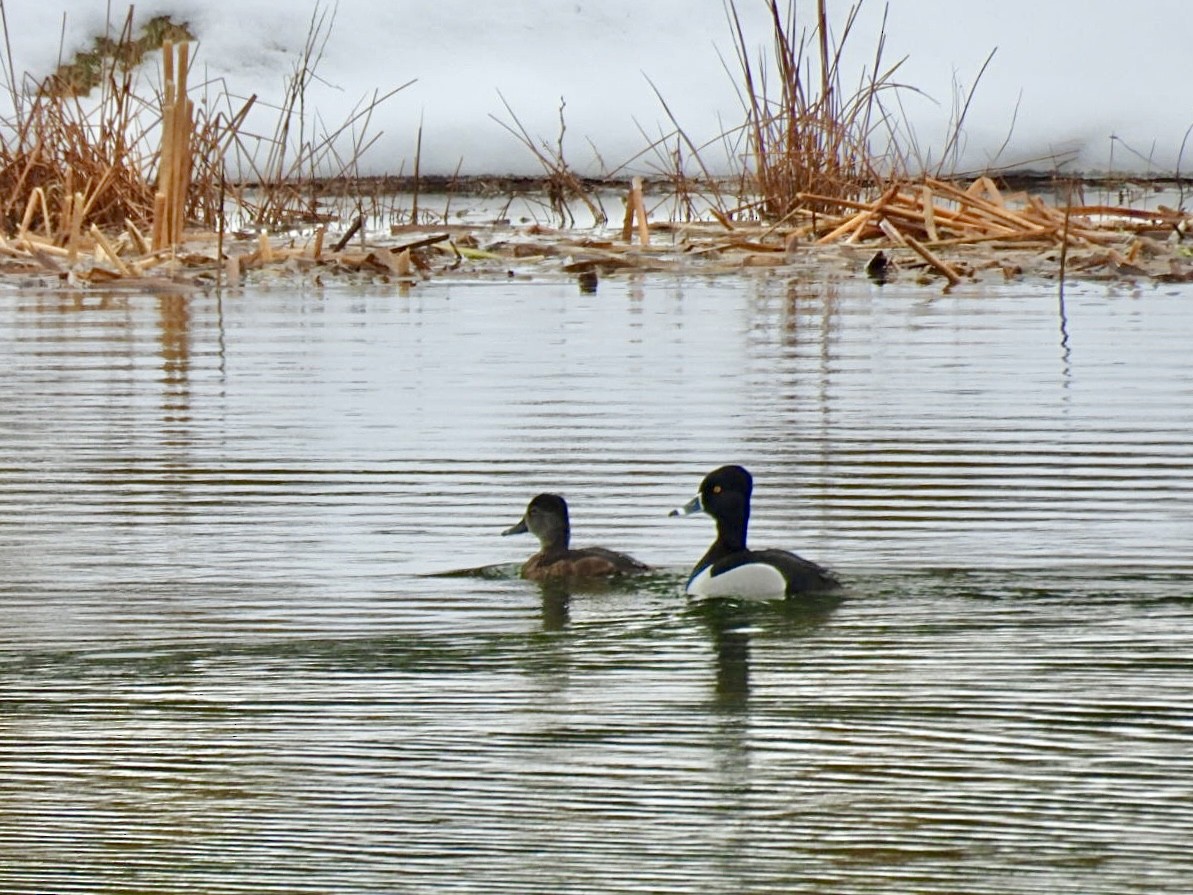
(731, 532)
(554, 541)
(731, 538)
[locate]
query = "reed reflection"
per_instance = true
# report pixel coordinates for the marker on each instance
(174, 348)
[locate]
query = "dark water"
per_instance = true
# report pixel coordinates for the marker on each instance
(228, 665)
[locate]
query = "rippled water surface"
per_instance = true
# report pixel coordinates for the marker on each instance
(230, 663)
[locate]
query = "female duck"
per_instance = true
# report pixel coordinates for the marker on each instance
(547, 519)
(729, 568)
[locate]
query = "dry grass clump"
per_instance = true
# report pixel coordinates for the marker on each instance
(805, 132)
(70, 160)
(59, 150)
(96, 144)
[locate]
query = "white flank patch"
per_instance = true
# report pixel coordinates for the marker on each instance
(753, 581)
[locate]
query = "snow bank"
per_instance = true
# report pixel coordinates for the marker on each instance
(1104, 82)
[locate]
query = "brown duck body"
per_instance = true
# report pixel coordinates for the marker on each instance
(590, 562)
(547, 519)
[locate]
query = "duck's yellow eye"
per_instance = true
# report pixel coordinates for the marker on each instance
(716, 489)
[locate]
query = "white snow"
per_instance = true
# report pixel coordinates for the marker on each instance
(1105, 81)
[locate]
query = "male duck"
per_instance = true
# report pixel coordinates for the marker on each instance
(729, 568)
(547, 519)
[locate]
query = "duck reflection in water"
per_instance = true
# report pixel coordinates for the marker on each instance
(734, 624)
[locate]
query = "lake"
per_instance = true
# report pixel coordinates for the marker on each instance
(232, 661)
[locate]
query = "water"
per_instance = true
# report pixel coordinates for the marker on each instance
(229, 663)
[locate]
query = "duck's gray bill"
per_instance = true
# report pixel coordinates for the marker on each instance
(692, 506)
(517, 528)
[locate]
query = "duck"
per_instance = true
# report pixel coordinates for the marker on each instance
(730, 568)
(547, 519)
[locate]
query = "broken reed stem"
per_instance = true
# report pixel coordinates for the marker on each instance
(157, 235)
(165, 164)
(348, 234)
(37, 195)
(264, 248)
(929, 213)
(109, 250)
(175, 163)
(637, 208)
(65, 213)
(892, 232)
(139, 241)
(76, 226)
(183, 117)
(944, 268)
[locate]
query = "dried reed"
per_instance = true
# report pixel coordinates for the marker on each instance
(805, 133)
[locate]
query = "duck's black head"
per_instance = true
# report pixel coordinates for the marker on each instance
(725, 495)
(547, 519)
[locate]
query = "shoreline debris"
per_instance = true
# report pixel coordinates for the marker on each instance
(934, 230)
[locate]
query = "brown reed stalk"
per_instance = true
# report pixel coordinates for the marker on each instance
(173, 178)
(803, 134)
